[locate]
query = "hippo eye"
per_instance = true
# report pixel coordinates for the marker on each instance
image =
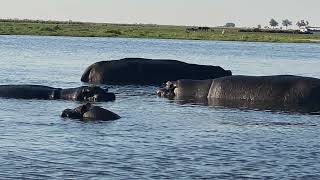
(85, 90)
(95, 98)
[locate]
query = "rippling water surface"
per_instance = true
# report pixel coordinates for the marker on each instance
(155, 138)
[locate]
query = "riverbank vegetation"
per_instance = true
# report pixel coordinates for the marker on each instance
(69, 28)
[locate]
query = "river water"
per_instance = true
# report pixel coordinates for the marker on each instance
(155, 138)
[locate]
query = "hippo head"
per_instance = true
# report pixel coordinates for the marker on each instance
(70, 113)
(88, 112)
(93, 94)
(76, 113)
(168, 90)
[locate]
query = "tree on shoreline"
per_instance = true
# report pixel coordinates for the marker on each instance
(302, 23)
(230, 25)
(273, 23)
(286, 23)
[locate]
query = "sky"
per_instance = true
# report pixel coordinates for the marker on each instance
(244, 13)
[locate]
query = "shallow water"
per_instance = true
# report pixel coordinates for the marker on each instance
(155, 138)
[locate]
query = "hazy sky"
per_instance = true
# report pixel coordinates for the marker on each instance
(178, 12)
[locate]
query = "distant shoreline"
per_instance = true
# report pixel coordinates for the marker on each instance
(150, 31)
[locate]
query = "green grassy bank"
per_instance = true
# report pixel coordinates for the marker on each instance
(56, 28)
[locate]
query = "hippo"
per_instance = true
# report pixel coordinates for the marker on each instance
(89, 112)
(139, 71)
(83, 93)
(283, 92)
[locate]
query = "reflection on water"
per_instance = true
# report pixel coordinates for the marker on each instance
(249, 105)
(156, 138)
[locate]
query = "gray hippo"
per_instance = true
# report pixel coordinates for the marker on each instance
(83, 93)
(265, 92)
(148, 71)
(89, 112)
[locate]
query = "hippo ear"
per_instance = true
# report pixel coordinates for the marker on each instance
(170, 85)
(99, 88)
(85, 108)
(82, 109)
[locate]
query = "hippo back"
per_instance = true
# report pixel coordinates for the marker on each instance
(282, 89)
(147, 71)
(28, 92)
(98, 113)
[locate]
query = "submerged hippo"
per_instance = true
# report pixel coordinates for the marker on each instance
(83, 93)
(148, 71)
(271, 92)
(89, 112)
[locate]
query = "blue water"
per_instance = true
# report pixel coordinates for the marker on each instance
(155, 138)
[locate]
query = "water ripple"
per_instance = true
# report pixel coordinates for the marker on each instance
(155, 138)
